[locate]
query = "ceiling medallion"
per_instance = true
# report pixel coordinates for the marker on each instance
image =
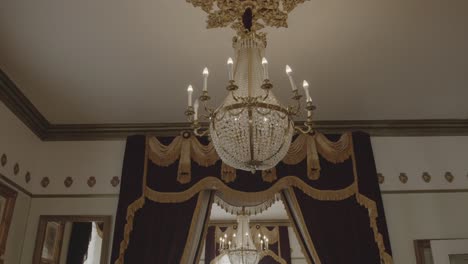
(251, 130)
(225, 13)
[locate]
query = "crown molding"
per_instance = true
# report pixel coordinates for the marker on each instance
(22, 107)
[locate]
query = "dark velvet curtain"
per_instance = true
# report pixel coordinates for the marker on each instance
(153, 226)
(284, 248)
(79, 242)
(210, 245)
(161, 233)
(346, 219)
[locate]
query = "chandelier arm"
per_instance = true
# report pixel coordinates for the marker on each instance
(208, 110)
(198, 130)
(301, 130)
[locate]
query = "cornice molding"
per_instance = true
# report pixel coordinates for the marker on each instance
(22, 107)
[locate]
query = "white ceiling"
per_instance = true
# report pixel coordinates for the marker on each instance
(122, 61)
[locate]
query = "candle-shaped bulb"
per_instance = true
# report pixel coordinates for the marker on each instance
(190, 91)
(225, 235)
(205, 79)
(230, 63)
(195, 110)
(234, 235)
(246, 234)
(305, 85)
(265, 68)
(288, 70)
(259, 235)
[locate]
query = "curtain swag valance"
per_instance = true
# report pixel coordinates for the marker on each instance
(187, 148)
(328, 184)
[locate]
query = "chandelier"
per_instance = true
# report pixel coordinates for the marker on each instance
(241, 248)
(251, 130)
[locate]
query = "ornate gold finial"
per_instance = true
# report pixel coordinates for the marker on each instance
(250, 15)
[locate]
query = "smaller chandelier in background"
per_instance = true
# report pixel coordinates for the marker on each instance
(242, 248)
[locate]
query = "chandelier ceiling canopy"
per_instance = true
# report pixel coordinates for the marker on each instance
(251, 130)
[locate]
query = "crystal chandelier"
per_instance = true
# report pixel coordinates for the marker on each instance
(241, 248)
(251, 130)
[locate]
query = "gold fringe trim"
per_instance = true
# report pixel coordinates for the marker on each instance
(161, 154)
(313, 163)
(228, 173)
(184, 173)
(131, 210)
(273, 255)
(371, 206)
(335, 152)
(269, 175)
(305, 146)
(300, 221)
(297, 151)
(247, 210)
(203, 155)
(190, 236)
(247, 198)
(205, 227)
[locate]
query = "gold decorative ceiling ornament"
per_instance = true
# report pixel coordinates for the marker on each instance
(233, 13)
(251, 130)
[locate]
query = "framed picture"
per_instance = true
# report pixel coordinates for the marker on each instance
(52, 241)
(7, 205)
(423, 251)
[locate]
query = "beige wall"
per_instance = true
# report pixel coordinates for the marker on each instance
(424, 216)
(410, 216)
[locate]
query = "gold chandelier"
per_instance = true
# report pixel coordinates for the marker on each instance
(251, 130)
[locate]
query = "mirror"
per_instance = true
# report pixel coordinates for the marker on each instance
(7, 205)
(72, 240)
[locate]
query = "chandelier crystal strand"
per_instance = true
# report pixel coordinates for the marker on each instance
(251, 130)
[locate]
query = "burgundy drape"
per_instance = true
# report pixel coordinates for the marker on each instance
(210, 245)
(340, 230)
(285, 248)
(161, 233)
(79, 241)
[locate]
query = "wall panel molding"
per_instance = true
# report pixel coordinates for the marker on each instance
(24, 109)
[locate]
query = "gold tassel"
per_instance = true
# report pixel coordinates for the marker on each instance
(184, 174)
(228, 173)
(313, 164)
(269, 175)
